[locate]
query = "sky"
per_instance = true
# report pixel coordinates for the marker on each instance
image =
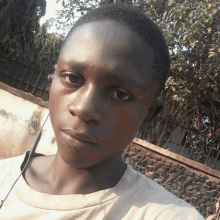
(50, 13)
(51, 10)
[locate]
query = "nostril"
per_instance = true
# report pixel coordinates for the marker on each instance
(72, 113)
(86, 116)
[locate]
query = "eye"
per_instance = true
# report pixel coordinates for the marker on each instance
(120, 95)
(72, 78)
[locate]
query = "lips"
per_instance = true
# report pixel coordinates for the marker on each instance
(80, 137)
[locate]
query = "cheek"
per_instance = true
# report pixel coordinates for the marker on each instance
(126, 122)
(132, 117)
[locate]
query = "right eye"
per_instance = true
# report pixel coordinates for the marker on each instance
(72, 78)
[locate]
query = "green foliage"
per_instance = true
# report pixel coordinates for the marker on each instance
(192, 32)
(18, 22)
(45, 50)
(22, 36)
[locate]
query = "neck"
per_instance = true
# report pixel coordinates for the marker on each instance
(66, 179)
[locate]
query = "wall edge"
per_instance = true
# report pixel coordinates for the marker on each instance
(179, 158)
(24, 95)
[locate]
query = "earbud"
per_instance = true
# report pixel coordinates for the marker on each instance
(50, 77)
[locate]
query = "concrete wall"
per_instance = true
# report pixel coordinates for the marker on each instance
(193, 182)
(20, 121)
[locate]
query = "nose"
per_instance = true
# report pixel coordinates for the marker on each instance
(86, 105)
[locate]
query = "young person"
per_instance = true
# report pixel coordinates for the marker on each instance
(111, 67)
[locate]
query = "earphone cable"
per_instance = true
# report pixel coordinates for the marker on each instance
(32, 151)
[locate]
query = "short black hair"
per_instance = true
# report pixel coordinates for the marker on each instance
(142, 25)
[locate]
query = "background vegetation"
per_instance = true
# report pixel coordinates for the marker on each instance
(21, 35)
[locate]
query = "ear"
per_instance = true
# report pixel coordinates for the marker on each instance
(155, 109)
(55, 66)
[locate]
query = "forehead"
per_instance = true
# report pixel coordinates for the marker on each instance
(109, 45)
(108, 34)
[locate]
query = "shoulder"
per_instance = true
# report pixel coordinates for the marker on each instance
(6, 166)
(157, 201)
(5, 175)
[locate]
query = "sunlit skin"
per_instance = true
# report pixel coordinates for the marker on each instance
(102, 88)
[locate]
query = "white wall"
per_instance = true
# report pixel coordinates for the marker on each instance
(20, 121)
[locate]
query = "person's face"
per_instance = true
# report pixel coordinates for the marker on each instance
(103, 89)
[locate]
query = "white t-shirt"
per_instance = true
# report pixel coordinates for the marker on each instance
(135, 197)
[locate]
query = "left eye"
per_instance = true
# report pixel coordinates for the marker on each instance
(120, 95)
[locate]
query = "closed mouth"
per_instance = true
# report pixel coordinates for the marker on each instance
(80, 136)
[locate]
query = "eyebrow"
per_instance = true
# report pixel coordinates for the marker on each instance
(126, 80)
(73, 64)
